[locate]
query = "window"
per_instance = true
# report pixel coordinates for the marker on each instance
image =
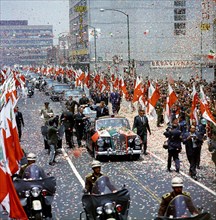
(179, 17)
(181, 3)
(180, 11)
(180, 25)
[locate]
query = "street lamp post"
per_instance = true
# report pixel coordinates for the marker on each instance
(128, 31)
(95, 45)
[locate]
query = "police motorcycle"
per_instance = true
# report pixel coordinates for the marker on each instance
(30, 90)
(36, 191)
(181, 207)
(42, 85)
(103, 204)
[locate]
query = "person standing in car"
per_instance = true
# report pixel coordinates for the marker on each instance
(70, 104)
(84, 100)
(19, 121)
(102, 110)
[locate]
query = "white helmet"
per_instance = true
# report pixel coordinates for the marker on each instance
(96, 163)
(177, 182)
(31, 156)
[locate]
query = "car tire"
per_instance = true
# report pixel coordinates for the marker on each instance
(136, 157)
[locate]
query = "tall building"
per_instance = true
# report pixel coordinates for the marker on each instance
(165, 37)
(24, 44)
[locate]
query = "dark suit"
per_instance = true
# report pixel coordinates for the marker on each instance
(52, 139)
(67, 119)
(142, 127)
(174, 146)
(193, 145)
(19, 122)
(102, 111)
(79, 125)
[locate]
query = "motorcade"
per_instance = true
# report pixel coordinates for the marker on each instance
(76, 94)
(103, 204)
(36, 192)
(111, 136)
(181, 208)
(57, 91)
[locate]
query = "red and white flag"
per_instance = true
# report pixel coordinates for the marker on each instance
(204, 107)
(123, 87)
(9, 156)
(170, 101)
(195, 100)
(153, 97)
(137, 90)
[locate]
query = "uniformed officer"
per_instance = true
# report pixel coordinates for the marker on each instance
(177, 185)
(92, 177)
(31, 158)
(46, 112)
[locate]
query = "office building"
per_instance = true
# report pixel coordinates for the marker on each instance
(166, 37)
(24, 44)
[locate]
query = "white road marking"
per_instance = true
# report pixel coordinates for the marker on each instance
(182, 173)
(187, 176)
(73, 168)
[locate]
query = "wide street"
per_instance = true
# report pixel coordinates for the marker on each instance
(146, 179)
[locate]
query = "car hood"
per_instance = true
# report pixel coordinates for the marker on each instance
(115, 131)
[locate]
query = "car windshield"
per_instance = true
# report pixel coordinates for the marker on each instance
(112, 123)
(72, 93)
(60, 87)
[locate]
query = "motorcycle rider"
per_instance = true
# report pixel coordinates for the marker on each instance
(177, 185)
(31, 158)
(92, 177)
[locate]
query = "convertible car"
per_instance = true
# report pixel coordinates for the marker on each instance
(112, 136)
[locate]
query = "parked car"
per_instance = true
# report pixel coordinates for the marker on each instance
(112, 136)
(57, 91)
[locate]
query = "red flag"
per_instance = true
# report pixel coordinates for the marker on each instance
(116, 83)
(87, 80)
(204, 107)
(9, 198)
(123, 87)
(95, 136)
(82, 76)
(153, 96)
(172, 96)
(137, 90)
(195, 100)
(13, 149)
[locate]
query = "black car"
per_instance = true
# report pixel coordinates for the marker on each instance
(57, 91)
(112, 136)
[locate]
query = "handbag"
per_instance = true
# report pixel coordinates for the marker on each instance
(165, 145)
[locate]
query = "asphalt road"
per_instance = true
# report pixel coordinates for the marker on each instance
(146, 179)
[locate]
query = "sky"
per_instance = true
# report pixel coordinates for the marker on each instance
(38, 12)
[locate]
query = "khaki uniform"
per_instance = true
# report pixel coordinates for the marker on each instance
(90, 180)
(167, 198)
(46, 113)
